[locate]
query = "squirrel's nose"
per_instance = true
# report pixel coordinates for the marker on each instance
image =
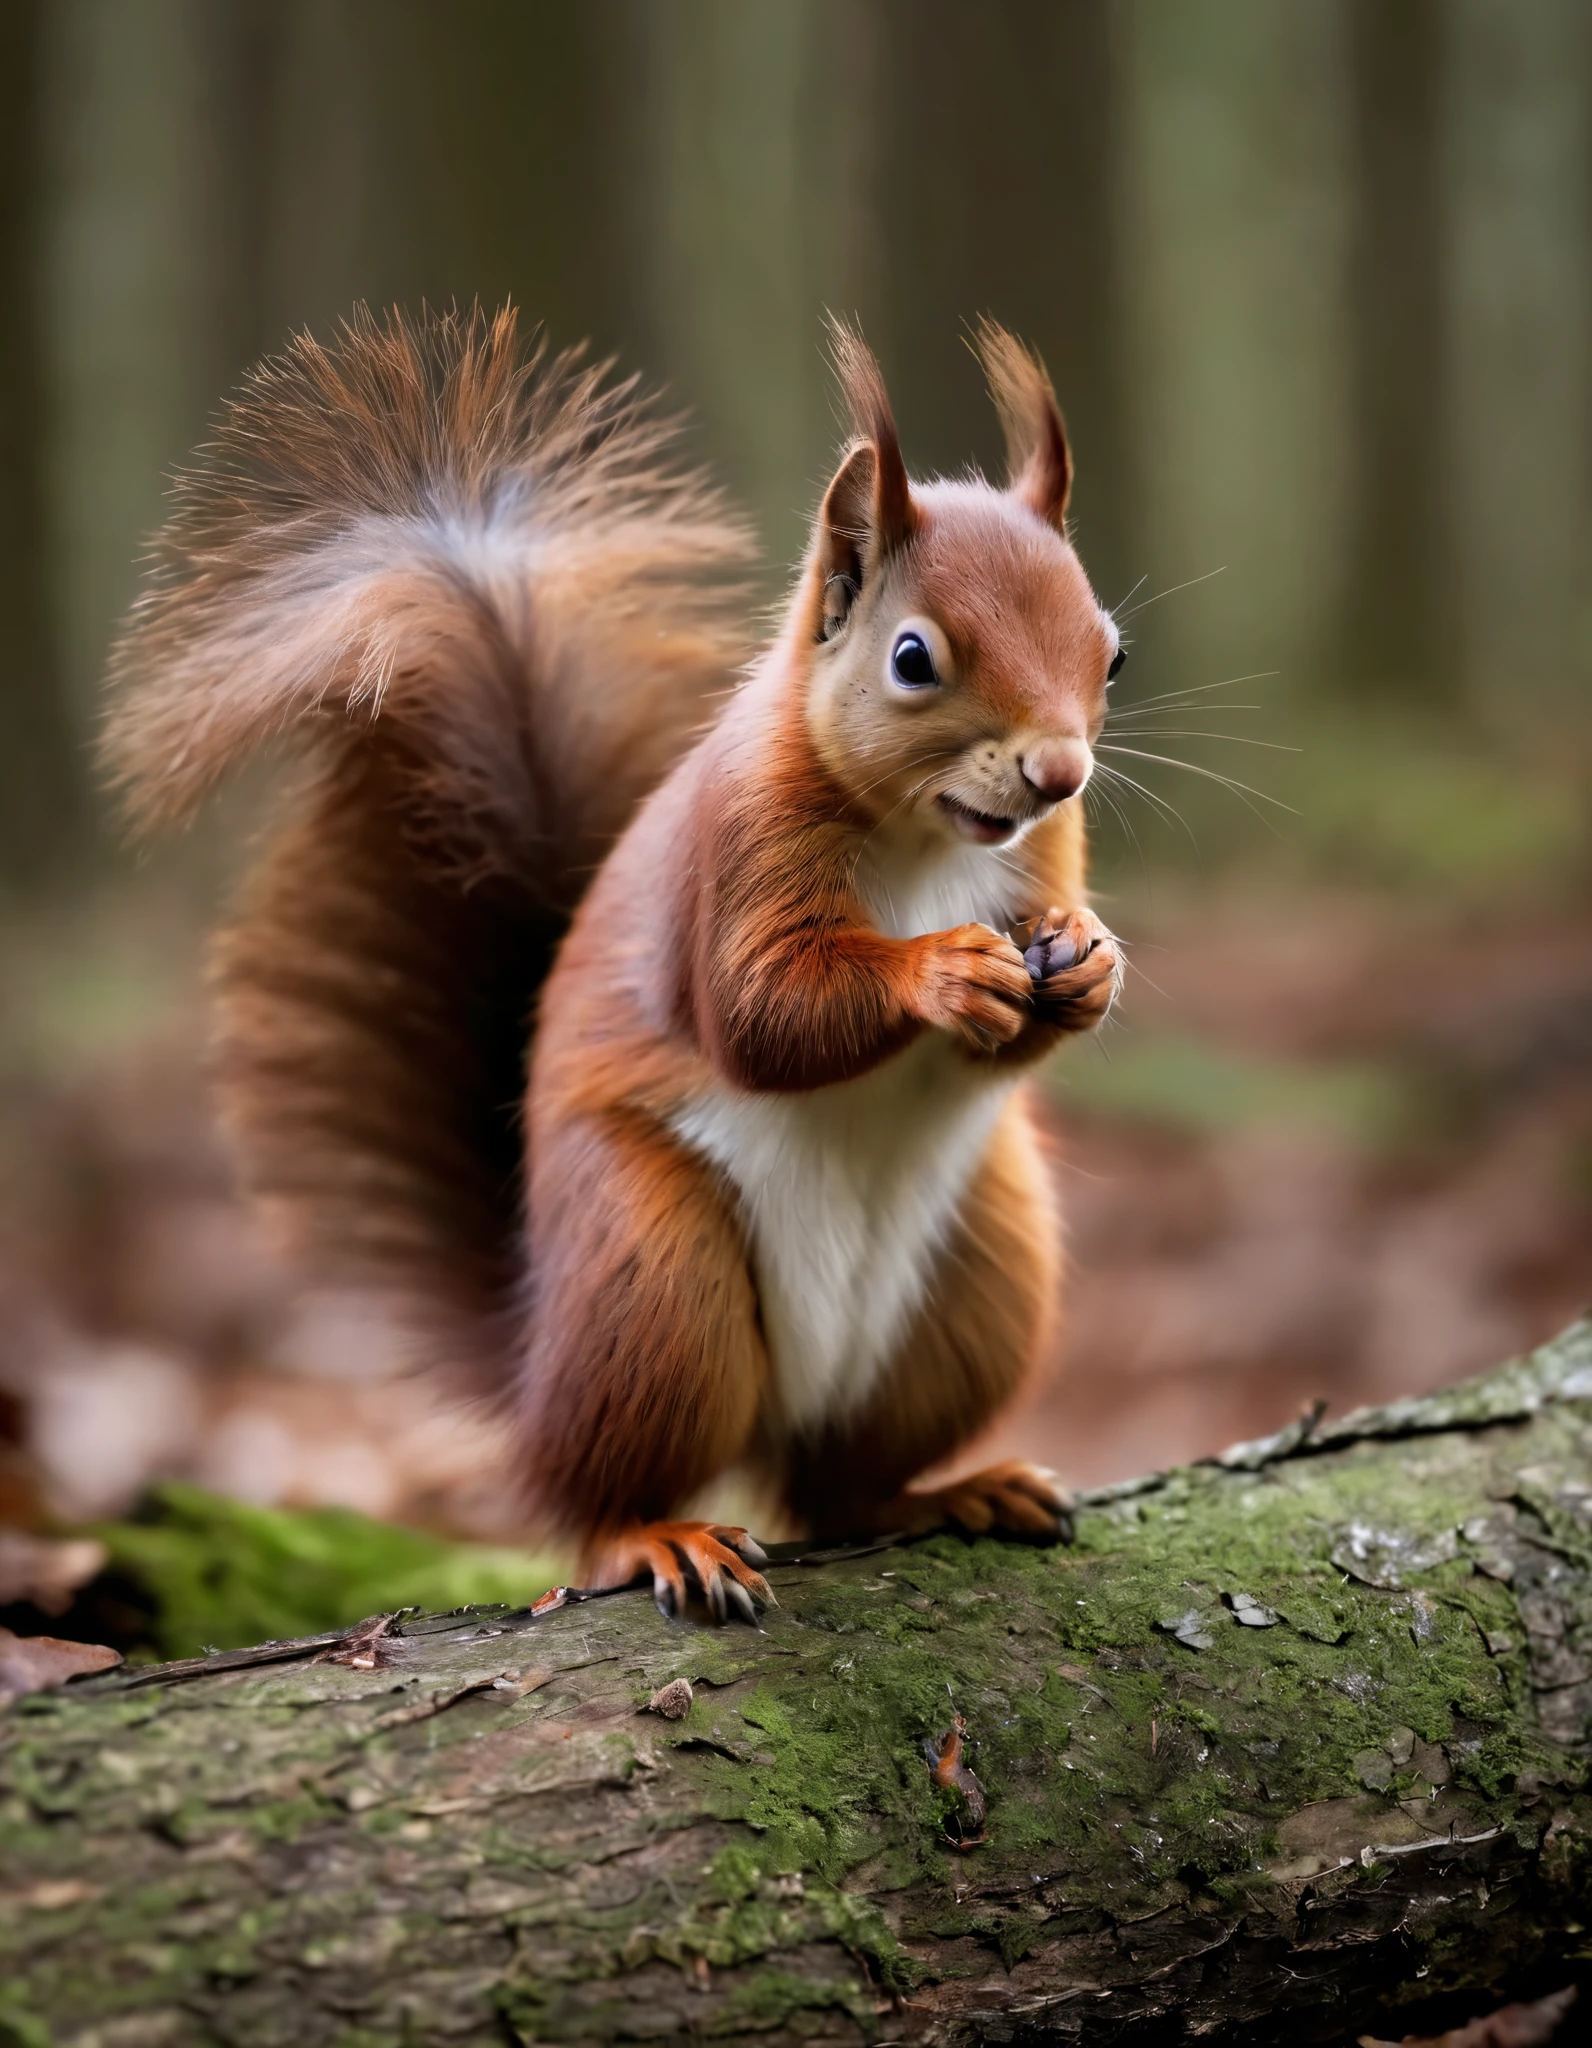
(1057, 769)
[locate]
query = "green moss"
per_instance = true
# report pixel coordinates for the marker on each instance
(734, 1874)
(770, 1833)
(221, 1573)
(771, 1996)
(20, 2027)
(1113, 1718)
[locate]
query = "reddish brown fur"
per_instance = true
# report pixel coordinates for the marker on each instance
(488, 714)
(1036, 441)
(467, 582)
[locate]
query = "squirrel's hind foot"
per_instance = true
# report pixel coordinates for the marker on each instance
(690, 1563)
(1009, 1499)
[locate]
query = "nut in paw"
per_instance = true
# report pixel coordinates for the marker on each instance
(1074, 967)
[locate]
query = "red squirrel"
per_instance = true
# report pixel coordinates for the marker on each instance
(655, 1036)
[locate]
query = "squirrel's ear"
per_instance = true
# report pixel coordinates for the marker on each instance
(867, 511)
(1039, 462)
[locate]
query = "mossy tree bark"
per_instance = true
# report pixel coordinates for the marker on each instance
(1285, 1745)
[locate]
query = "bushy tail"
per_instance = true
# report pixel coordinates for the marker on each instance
(469, 584)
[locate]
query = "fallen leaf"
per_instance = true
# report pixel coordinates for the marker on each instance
(950, 1772)
(1512, 2026)
(30, 1663)
(370, 1645)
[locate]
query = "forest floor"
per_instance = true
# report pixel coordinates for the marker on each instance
(1325, 1151)
(1323, 1156)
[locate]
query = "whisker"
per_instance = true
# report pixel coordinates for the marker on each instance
(1116, 717)
(1121, 601)
(1145, 603)
(1153, 797)
(1099, 790)
(906, 767)
(1259, 675)
(1241, 790)
(1002, 859)
(909, 796)
(1139, 971)
(1186, 732)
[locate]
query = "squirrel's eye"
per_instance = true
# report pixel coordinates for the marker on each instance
(1117, 660)
(911, 663)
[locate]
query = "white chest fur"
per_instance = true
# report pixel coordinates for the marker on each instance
(912, 887)
(849, 1191)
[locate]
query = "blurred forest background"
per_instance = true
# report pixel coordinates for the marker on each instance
(1315, 284)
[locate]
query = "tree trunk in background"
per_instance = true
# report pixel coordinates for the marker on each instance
(498, 160)
(1234, 329)
(741, 236)
(41, 772)
(1520, 168)
(912, 165)
(1289, 1744)
(127, 298)
(1400, 641)
(1019, 219)
(245, 47)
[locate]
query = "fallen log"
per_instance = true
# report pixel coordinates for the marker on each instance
(1287, 1745)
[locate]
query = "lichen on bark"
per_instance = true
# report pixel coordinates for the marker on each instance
(1287, 1745)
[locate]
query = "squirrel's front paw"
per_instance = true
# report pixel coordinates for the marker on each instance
(1074, 968)
(975, 983)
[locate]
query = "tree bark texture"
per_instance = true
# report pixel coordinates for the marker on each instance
(1285, 1745)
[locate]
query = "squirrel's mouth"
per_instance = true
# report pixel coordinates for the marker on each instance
(979, 826)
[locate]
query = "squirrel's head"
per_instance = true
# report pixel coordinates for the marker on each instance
(959, 657)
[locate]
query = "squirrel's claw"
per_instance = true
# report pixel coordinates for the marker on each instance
(711, 1561)
(745, 1546)
(741, 1600)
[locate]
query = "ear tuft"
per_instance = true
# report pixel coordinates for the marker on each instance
(1039, 462)
(895, 517)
